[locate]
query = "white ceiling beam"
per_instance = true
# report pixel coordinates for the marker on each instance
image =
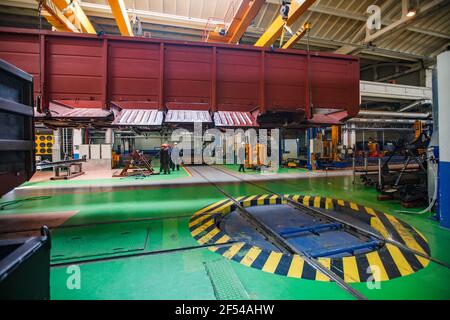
(440, 49)
(150, 16)
(356, 16)
(197, 22)
(404, 20)
(351, 49)
(399, 74)
(329, 43)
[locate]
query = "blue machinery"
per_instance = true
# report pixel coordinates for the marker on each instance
(316, 237)
(349, 248)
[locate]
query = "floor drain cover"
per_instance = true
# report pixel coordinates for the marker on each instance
(226, 284)
(93, 241)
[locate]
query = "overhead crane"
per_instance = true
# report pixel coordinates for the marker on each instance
(274, 31)
(119, 11)
(248, 10)
(297, 36)
(245, 14)
(66, 15)
(55, 17)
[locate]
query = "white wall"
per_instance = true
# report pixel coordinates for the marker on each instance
(290, 149)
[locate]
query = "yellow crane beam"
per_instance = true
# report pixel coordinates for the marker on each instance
(119, 11)
(239, 26)
(273, 32)
(56, 18)
(297, 36)
(244, 15)
(73, 11)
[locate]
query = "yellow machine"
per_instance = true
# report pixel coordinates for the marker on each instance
(327, 150)
(292, 164)
(44, 144)
(323, 148)
(418, 131)
(374, 150)
(115, 159)
(335, 135)
(256, 156)
(418, 128)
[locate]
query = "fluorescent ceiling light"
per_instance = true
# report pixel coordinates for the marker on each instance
(411, 13)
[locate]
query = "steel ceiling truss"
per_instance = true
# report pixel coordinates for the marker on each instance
(66, 15)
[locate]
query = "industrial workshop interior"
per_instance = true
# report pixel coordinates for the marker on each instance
(202, 150)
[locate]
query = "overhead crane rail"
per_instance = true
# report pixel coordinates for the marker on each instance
(139, 254)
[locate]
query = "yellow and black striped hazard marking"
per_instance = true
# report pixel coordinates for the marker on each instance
(388, 262)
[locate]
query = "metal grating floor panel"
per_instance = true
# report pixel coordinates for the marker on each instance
(226, 284)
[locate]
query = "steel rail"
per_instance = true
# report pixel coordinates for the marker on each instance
(69, 262)
(100, 223)
(58, 163)
(282, 244)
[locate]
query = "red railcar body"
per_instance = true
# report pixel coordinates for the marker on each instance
(96, 71)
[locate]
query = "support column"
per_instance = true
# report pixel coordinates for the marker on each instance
(311, 134)
(335, 137)
(77, 141)
(443, 69)
(353, 136)
(109, 136)
(56, 148)
(281, 148)
(428, 77)
(345, 135)
(308, 142)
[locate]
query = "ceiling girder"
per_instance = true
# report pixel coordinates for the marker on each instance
(273, 32)
(119, 11)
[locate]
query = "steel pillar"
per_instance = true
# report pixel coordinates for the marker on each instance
(56, 148)
(77, 140)
(311, 133)
(443, 70)
(109, 136)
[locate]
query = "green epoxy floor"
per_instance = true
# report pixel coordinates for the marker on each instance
(235, 168)
(182, 173)
(181, 274)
